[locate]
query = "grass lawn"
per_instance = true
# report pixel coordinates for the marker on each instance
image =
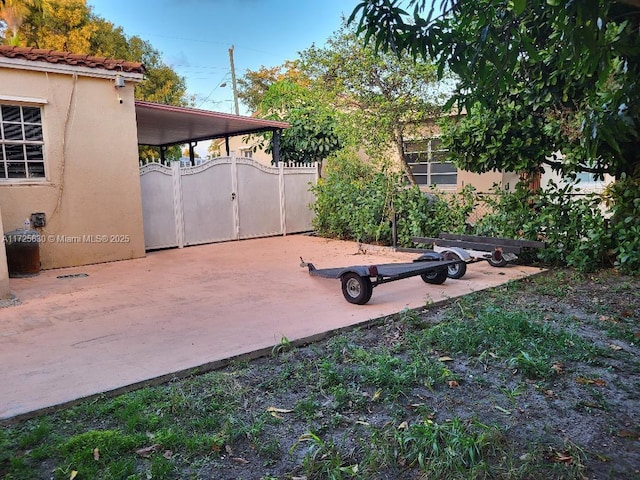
(537, 379)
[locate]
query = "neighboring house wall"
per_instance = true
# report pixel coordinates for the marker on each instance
(90, 192)
(431, 172)
(483, 182)
(244, 147)
(587, 184)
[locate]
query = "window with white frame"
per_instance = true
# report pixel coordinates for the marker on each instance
(426, 158)
(246, 152)
(21, 142)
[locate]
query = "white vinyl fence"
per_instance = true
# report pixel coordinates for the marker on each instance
(226, 198)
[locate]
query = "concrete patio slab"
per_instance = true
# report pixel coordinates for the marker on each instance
(127, 323)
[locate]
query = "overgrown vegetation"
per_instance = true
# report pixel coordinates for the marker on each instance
(535, 379)
(357, 201)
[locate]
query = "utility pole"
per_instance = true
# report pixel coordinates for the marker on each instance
(233, 81)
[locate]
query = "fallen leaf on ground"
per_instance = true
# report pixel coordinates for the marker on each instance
(376, 395)
(561, 457)
(147, 451)
(627, 314)
(240, 460)
(615, 347)
(588, 381)
(557, 367)
(503, 410)
(278, 410)
(445, 359)
(403, 426)
(74, 474)
(96, 454)
(167, 454)
(453, 384)
(629, 434)
(228, 449)
(274, 411)
(549, 393)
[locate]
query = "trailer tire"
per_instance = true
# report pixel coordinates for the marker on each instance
(497, 260)
(456, 270)
(356, 288)
(436, 276)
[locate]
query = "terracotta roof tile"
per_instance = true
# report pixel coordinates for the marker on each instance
(52, 56)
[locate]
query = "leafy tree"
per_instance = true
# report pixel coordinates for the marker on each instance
(13, 14)
(254, 85)
(382, 98)
(64, 26)
(311, 136)
(552, 74)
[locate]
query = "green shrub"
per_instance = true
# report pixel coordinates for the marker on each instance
(573, 227)
(623, 198)
(357, 201)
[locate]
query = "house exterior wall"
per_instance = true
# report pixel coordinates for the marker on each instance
(483, 182)
(587, 183)
(91, 193)
(238, 145)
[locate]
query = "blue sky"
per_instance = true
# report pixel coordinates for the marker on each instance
(194, 36)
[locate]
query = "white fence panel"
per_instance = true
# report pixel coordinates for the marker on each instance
(258, 199)
(158, 213)
(207, 198)
(298, 198)
(224, 199)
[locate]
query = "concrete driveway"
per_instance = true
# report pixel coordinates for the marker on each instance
(129, 323)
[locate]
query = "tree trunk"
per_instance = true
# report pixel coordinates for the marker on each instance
(399, 140)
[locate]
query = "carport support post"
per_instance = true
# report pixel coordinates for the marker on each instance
(192, 154)
(276, 147)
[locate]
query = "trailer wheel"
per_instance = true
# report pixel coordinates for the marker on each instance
(496, 259)
(356, 289)
(436, 276)
(456, 270)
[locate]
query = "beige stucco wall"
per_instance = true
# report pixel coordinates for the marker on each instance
(483, 182)
(91, 195)
(238, 144)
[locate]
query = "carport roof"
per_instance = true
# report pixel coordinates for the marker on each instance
(163, 125)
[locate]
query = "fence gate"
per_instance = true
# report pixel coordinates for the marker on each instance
(227, 198)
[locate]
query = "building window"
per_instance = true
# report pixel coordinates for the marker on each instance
(426, 159)
(246, 153)
(21, 142)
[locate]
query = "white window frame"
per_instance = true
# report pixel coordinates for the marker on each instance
(430, 162)
(4, 161)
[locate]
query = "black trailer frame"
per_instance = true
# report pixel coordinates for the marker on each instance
(497, 251)
(359, 281)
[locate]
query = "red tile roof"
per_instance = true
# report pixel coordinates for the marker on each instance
(52, 56)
